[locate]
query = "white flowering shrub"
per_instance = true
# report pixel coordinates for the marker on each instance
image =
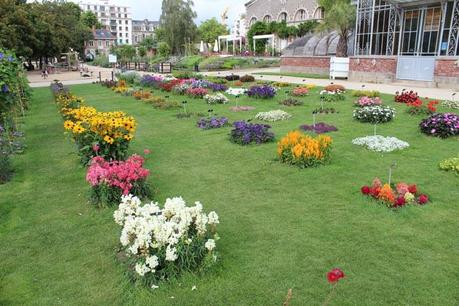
(217, 98)
(274, 115)
(380, 143)
(374, 114)
(163, 243)
(454, 104)
(236, 91)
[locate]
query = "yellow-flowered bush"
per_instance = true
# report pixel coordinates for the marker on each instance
(104, 134)
(121, 87)
(303, 150)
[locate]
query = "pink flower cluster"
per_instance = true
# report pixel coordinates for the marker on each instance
(197, 92)
(367, 101)
(121, 174)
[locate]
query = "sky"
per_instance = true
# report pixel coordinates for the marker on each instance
(151, 9)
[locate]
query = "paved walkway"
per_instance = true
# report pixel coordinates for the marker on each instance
(72, 78)
(433, 93)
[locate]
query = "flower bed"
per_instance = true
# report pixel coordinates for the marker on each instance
(242, 108)
(141, 94)
(261, 92)
(454, 104)
(332, 96)
(450, 164)
(366, 93)
(245, 133)
(233, 77)
(181, 89)
(441, 125)
(169, 85)
(217, 98)
(374, 114)
(406, 96)
(163, 104)
(110, 131)
(326, 110)
(367, 101)
(274, 115)
(418, 107)
(335, 88)
(319, 128)
(380, 143)
(247, 79)
(291, 102)
(394, 196)
(151, 81)
(111, 180)
(197, 93)
(304, 151)
(212, 123)
(300, 92)
(164, 243)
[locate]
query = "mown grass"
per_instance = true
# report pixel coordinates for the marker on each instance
(281, 227)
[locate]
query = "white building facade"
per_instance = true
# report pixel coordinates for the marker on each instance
(116, 19)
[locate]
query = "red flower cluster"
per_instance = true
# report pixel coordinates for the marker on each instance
(167, 86)
(121, 174)
(406, 96)
(335, 275)
(401, 195)
(418, 107)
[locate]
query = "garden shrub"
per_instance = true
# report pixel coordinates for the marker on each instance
(217, 80)
(212, 123)
(198, 93)
(152, 81)
(291, 102)
(450, 164)
(441, 125)
(232, 77)
(368, 101)
(406, 96)
(380, 143)
(163, 243)
(161, 103)
(332, 96)
(335, 88)
(300, 92)
(185, 75)
(419, 108)
(261, 92)
(272, 116)
(168, 85)
(245, 133)
(366, 93)
(454, 104)
(247, 79)
(374, 114)
(280, 84)
(319, 128)
(130, 77)
(304, 151)
(181, 89)
(141, 94)
(217, 98)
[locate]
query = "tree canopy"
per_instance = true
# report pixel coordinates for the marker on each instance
(177, 25)
(210, 29)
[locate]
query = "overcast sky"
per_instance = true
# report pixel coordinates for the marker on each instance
(205, 9)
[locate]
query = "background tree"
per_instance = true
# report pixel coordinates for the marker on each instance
(210, 29)
(177, 25)
(340, 17)
(163, 49)
(89, 19)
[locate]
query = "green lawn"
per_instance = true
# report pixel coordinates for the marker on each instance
(296, 75)
(281, 227)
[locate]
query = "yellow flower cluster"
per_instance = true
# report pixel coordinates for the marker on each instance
(110, 126)
(121, 87)
(67, 102)
(297, 146)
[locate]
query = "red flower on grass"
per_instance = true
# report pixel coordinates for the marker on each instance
(335, 275)
(412, 189)
(400, 201)
(423, 199)
(365, 190)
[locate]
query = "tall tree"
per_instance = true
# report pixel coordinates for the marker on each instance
(340, 17)
(177, 24)
(90, 20)
(210, 29)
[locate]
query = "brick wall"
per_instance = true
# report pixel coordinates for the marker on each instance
(447, 73)
(313, 64)
(373, 69)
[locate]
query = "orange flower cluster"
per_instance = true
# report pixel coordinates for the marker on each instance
(305, 151)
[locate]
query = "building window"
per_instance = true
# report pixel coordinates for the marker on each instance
(91, 43)
(125, 10)
(120, 28)
(121, 41)
(99, 43)
(125, 16)
(301, 15)
(127, 41)
(252, 21)
(319, 13)
(126, 22)
(282, 17)
(107, 43)
(102, 8)
(267, 18)
(127, 29)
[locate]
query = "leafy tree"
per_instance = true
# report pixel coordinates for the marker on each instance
(258, 28)
(163, 49)
(89, 19)
(210, 29)
(142, 51)
(340, 17)
(124, 53)
(177, 25)
(307, 27)
(149, 43)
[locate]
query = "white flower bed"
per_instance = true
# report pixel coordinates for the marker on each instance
(236, 91)
(451, 104)
(217, 98)
(374, 114)
(380, 143)
(159, 239)
(275, 115)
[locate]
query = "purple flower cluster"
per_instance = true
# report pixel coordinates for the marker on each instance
(151, 81)
(218, 87)
(319, 128)
(441, 125)
(5, 88)
(261, 92)
(245, 133)
(208, 85)
(212, 123)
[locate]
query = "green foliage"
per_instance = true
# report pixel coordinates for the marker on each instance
(177, 27)
(188, 62)
(218, 63)
(89, 19)
(210, 29)
(163, 49)
(124, 53)
(102, 61)
(14, 88)
(366, 93)
(6, 171)
(450, 164)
